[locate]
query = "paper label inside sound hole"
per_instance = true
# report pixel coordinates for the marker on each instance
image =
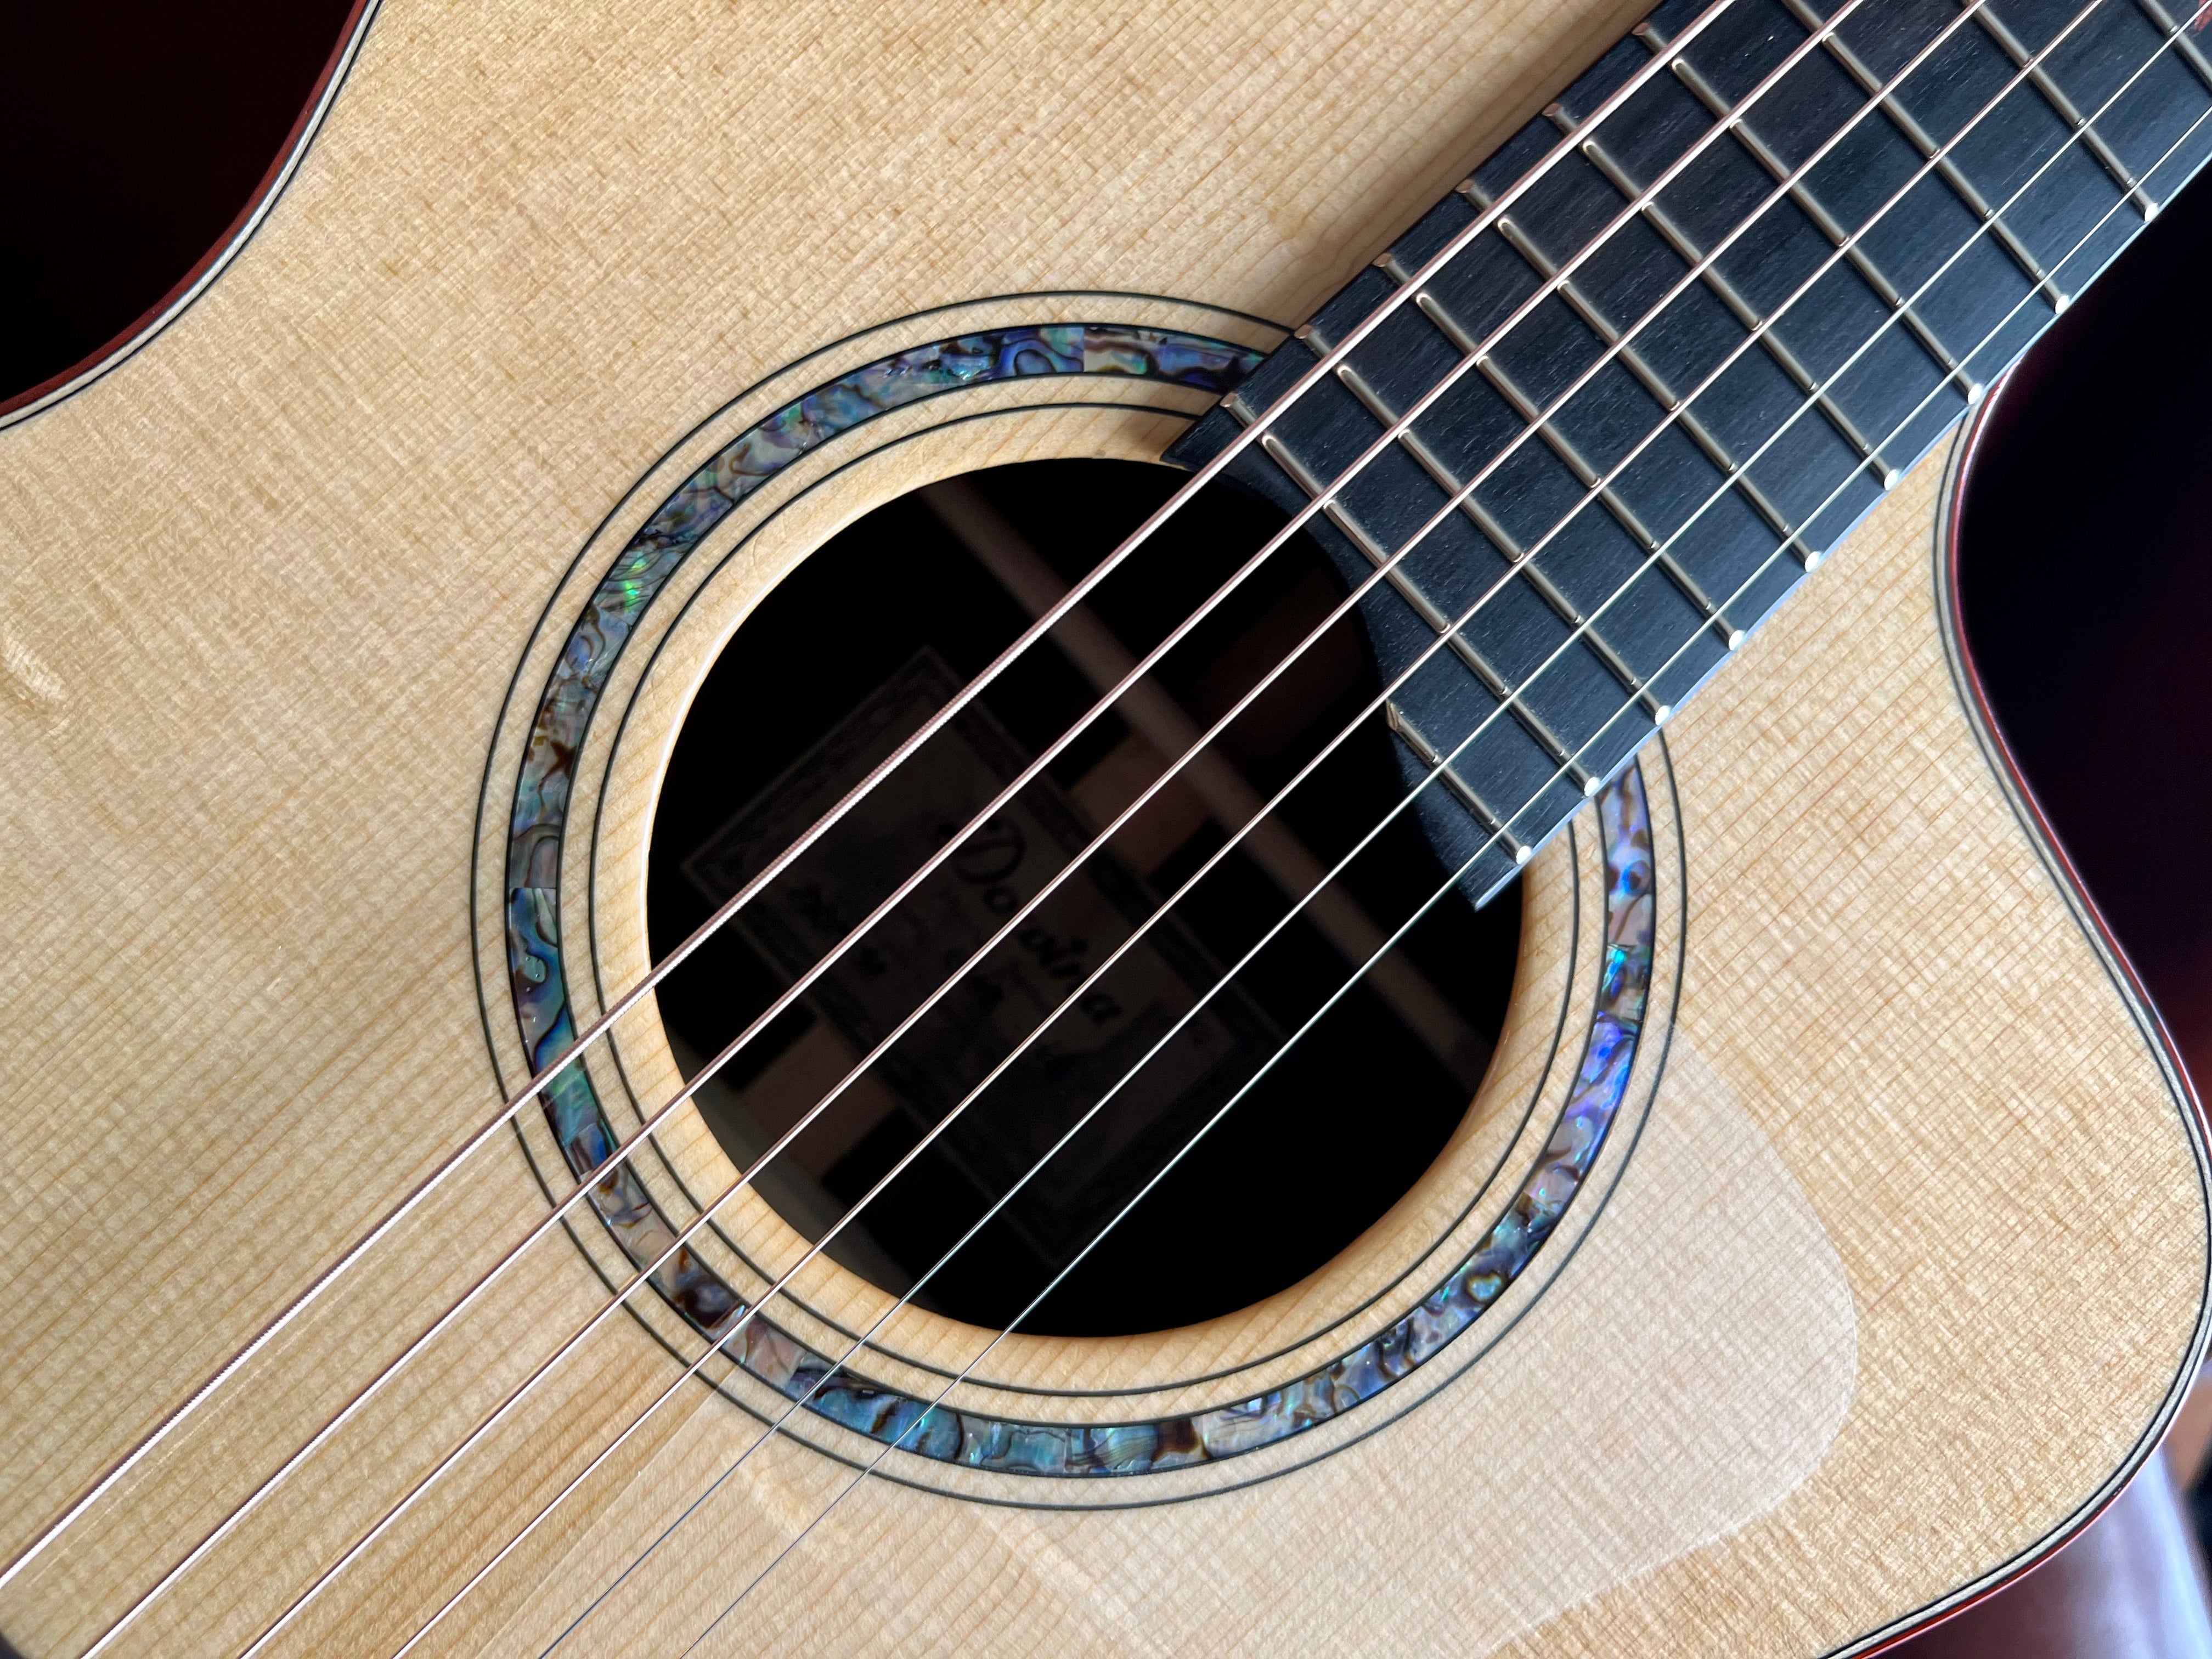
(905, 959)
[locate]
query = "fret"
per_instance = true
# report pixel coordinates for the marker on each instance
(2040, 78)
(1472, 505)
(1916, 257)
(1433, 759)
(1945, 169)
(1436, 620)
(1439, 622)
(2167, 24)
(1586, 306)
(2144, 120)
(1856, 255)
(1741, 309)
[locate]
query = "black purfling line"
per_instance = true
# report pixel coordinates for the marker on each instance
(623, 725)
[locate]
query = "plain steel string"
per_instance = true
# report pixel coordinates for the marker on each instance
(1038, 629)
(1727, 482)
(2120, 203)
(361, 1400)
(625, 1148)
(875, 1461)
(484, 1425)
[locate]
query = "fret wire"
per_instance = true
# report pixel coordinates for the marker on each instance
(1922, 140)
(1746, 314)
(992, 1346)
(716, 1485)
(1434, 758)
(1476, 513)
(1587, 307)
(1800, 193)
(1587, 474)
(1576, 463)
(2063, 107)
(2187, 48)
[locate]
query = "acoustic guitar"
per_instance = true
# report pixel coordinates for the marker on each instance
(897, 829)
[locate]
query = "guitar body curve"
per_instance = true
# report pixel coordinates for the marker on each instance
(1893, 1274)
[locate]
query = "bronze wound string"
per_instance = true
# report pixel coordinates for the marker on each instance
(1808, 404)
(878, 1458)
(1040, 628)
(1899, 78)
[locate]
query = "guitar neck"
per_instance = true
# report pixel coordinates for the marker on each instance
(1613, 416)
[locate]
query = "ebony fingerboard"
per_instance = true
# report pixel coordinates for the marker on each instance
(1751, 413)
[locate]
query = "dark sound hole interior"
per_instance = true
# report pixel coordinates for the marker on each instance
(1317, 1110)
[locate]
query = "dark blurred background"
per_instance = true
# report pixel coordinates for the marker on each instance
(2087, 594)
(138, 136)
(133, 135)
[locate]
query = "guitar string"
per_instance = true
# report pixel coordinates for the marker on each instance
(688, 1232)
(557, 1357)
(361, 1399)
(884, 1451)
(1038, 629)
(2121, 202)
(554, 1069)
(867, 1335)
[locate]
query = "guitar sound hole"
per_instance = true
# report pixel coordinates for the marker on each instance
(1323, 1109)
